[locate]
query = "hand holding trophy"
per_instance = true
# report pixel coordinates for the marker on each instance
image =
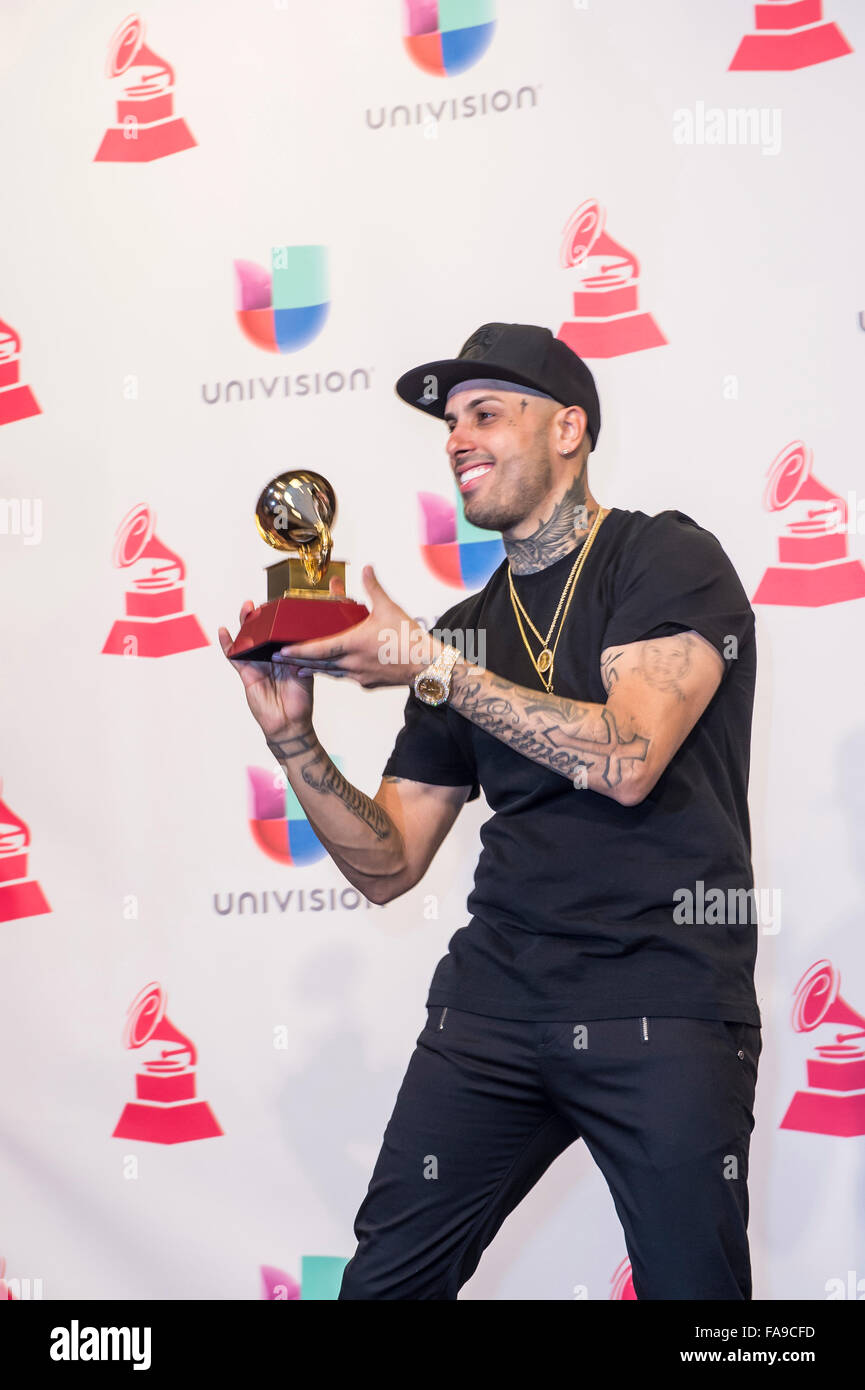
(305, 599)
(295, 512)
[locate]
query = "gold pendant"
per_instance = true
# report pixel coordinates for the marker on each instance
(545, 660)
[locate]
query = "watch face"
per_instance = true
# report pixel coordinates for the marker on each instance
(430, 689)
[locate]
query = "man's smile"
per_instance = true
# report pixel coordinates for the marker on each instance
(468, 475)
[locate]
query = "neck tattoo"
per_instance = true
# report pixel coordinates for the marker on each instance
(556, 536)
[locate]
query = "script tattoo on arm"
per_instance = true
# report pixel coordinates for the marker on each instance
(320, 773)
(563, 735)
(330, 779)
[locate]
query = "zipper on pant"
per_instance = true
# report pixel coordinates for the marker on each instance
(442, 1020)
(644, 1029)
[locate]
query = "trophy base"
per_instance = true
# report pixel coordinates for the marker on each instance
(811, 586)
(822, 1113)
(786, 52)
(612, 337)
(293, 620)
(17, 403)
(181, 632)
(175, 1124)
(150, 142)
(21, 900)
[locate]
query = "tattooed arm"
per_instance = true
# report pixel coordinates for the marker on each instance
(656, 692)
(382, 844)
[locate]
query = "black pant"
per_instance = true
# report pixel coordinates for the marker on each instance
(664, 1106)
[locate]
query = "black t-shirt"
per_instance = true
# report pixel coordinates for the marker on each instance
(572, 910)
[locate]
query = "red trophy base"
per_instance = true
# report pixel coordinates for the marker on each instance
(612, 337)
(785, 52)
(170, 1124)
(181, 632)
(17, 403)
(824, 1113)
(150, 142)
(24, 899)
(293, 620)
(810, 586)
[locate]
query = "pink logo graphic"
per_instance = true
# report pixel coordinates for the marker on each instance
(607, 321)
(789, 34)
(156, 624)
(813, 564)
(320, 1278)
(17, 401)
(165, 1110)
(146, 128)
(277, 1286)
(622, 1283)
(5, 1291)
(20, 896)
(834, 1102)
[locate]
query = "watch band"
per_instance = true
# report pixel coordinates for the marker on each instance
(433, 685)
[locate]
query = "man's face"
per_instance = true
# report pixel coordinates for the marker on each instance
(499, 448)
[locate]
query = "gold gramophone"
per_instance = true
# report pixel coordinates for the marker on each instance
(295, 512)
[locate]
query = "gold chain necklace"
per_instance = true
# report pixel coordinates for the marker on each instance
(546, 658)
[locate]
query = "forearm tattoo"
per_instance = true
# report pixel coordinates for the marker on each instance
(324, 776)
(287, 748)
(329, 779)
(563, 735)
(554, 537)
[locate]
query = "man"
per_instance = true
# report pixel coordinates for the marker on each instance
(608, 723)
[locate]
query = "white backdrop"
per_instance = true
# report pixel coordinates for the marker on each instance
(130, 773)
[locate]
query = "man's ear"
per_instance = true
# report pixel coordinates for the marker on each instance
(573, 421)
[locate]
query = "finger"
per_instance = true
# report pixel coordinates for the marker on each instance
(246, 608)
(324, 650)
(319, 663)
(337, 586)
(371, 583)
(226, 641)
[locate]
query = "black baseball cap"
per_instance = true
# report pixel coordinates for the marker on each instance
(518, 352)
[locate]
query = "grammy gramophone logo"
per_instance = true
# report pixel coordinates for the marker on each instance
(17, 401)
(789, 34)
(622, 1282)
(165, 1109)
(20, 895)
(814, 567)
(608, 321)
(146, 127)
(155, 622)
(834, 1099)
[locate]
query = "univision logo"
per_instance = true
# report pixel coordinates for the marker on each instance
(284, 308)
(445, 37)
(277, 820)
(456, 552)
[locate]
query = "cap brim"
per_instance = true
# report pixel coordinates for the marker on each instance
(427, 387)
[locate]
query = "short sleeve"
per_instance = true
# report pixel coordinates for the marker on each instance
(679, 578)
(426, 750)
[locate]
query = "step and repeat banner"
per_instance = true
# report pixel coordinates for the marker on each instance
(228, 228)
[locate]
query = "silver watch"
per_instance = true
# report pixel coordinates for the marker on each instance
(433, 685)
